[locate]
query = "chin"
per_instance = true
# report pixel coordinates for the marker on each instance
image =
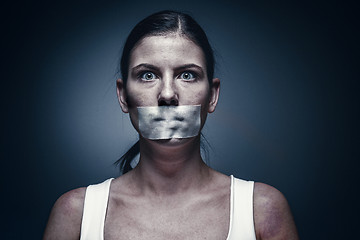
(173, 141)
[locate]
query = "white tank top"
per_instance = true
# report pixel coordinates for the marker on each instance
(241, 211)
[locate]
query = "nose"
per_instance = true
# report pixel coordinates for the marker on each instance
(168, 95)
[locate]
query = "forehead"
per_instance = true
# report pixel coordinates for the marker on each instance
(170, 50)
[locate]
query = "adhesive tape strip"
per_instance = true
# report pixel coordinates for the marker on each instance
(165, 122)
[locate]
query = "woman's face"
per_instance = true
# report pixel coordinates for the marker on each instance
(167, 70)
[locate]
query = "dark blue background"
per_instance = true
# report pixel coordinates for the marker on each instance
(287, 114)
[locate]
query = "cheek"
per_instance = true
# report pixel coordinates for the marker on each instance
(140, 98)
(195, 94)
(201, 97)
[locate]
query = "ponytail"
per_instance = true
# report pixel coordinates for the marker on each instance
(125, 161)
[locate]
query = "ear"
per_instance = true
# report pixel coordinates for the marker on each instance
(214, 94)
(121, 93)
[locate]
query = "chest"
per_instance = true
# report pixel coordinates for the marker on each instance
(194, 219)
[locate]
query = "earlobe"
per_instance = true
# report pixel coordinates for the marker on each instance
(214, 94)
(121, 93)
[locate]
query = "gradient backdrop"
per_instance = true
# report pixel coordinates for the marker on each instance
(287, 114)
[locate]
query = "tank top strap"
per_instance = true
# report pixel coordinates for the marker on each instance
(241, 210)
(94, 212)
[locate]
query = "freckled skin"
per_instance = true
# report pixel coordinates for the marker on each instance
(65, 218)
(272, 216)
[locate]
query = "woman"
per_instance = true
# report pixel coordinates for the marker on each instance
(167, 87)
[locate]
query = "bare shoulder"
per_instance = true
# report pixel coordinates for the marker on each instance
(65, 217)
(272, 215)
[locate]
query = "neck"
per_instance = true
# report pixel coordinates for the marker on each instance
(170, 166)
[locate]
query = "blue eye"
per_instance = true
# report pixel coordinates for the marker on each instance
(148, 76)
(187, 76)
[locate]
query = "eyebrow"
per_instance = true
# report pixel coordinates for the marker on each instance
(144, 65)
(191, 65)
(154, 68)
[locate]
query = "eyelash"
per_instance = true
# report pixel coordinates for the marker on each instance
(193, 76)
(141, 76)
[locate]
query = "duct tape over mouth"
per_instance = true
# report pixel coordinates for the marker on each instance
(165, 122)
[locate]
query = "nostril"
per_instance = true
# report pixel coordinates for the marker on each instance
(163, 103)
(171, 102)
(174, 102)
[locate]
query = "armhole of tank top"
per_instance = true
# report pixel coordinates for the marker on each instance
(94, 210)
(252, 208)
(241, 187)
(231, 205)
